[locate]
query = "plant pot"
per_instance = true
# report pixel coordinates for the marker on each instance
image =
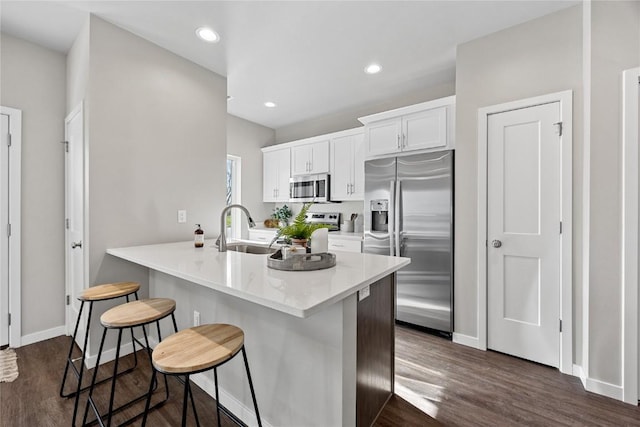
(299, 242)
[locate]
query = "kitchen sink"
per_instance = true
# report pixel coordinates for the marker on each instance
(250, 249)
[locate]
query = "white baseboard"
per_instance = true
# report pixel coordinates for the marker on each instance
(231, 403)
(42, 335)
(600, 387)
(109, 355)
(578, 372)
(467, 340)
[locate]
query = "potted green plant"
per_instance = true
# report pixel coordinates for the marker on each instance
(299, 231)
(283, 214)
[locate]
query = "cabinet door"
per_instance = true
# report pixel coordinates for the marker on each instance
(283, 175)
(319, 157)
(270, 163)
(426, 129)
(383, 137)
(357, 162)
(301, 159)
(341, 167)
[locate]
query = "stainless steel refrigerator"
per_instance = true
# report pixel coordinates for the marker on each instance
(409, 213)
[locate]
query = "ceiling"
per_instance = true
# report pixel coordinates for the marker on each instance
(306, 56)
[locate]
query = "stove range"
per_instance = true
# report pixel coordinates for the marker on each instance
(332, 219)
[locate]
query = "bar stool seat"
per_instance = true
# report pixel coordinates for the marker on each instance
(132, 314)
(137, 313)
(90, 295)
(109, 291)
(199, 349)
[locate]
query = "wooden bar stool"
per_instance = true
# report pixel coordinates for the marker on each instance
(90, 295)
(126, 316)
(200, 349)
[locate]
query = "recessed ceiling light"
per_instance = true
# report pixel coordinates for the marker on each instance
(373, 69)
(269, 104)
(208, 35)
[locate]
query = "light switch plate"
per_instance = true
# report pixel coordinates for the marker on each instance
(363, 293)
(182, 216)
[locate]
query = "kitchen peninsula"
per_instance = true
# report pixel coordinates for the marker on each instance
(320, 343)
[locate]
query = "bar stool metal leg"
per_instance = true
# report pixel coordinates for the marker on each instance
(215, 380)
(128, 323)
(79, 372)
(253, 393)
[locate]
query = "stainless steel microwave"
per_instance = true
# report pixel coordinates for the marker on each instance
(309, 188)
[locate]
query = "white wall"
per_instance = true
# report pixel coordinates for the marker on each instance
(615, 46)
(538, 57)
(245, 139)
(32, 79)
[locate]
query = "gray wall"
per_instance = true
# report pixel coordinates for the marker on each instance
(245, 139)
(615, 46)
(536, 58)
(157, 143)
(32, 80)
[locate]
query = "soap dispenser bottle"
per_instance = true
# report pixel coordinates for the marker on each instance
(199, 237)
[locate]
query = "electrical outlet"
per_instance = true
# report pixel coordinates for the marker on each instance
(196, 318)
(182, 216)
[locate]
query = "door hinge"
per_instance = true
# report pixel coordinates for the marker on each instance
(8, 230)
(9, 319)
(68, 300)
(66, 145)
(66, 223)
(560, 325)
(559, 127)
(8, 140)
(560, 227)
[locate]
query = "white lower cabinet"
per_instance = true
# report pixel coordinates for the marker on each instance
(345, 245)
(262, 234)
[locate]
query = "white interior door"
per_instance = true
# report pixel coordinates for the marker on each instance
(4, 239)
(523, 227)
(74, 200)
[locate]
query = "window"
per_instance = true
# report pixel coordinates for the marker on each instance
(234, 185)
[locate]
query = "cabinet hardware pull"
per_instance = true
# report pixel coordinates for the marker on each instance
(398, 138)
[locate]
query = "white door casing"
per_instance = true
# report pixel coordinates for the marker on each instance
(10, 274)
(523, 230)
(75, 242)
(630, 234)
(4, 238)
(565, 100)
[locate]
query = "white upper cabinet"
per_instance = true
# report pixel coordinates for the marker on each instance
(347, 166)
(276, 173)
(426, 127)
(310, 158)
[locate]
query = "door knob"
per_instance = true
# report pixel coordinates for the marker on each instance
(76, 245)
(496, 243)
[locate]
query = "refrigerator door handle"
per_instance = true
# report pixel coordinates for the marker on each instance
(397, 216)
(392, 216)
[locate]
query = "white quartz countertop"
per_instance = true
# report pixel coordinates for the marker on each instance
(246, 276)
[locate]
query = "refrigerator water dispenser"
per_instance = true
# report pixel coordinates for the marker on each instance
(380, 215)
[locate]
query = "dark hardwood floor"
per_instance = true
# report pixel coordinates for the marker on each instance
(456, 385)
(461, 386)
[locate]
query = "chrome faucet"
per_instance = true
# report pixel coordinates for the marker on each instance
(222, 239)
